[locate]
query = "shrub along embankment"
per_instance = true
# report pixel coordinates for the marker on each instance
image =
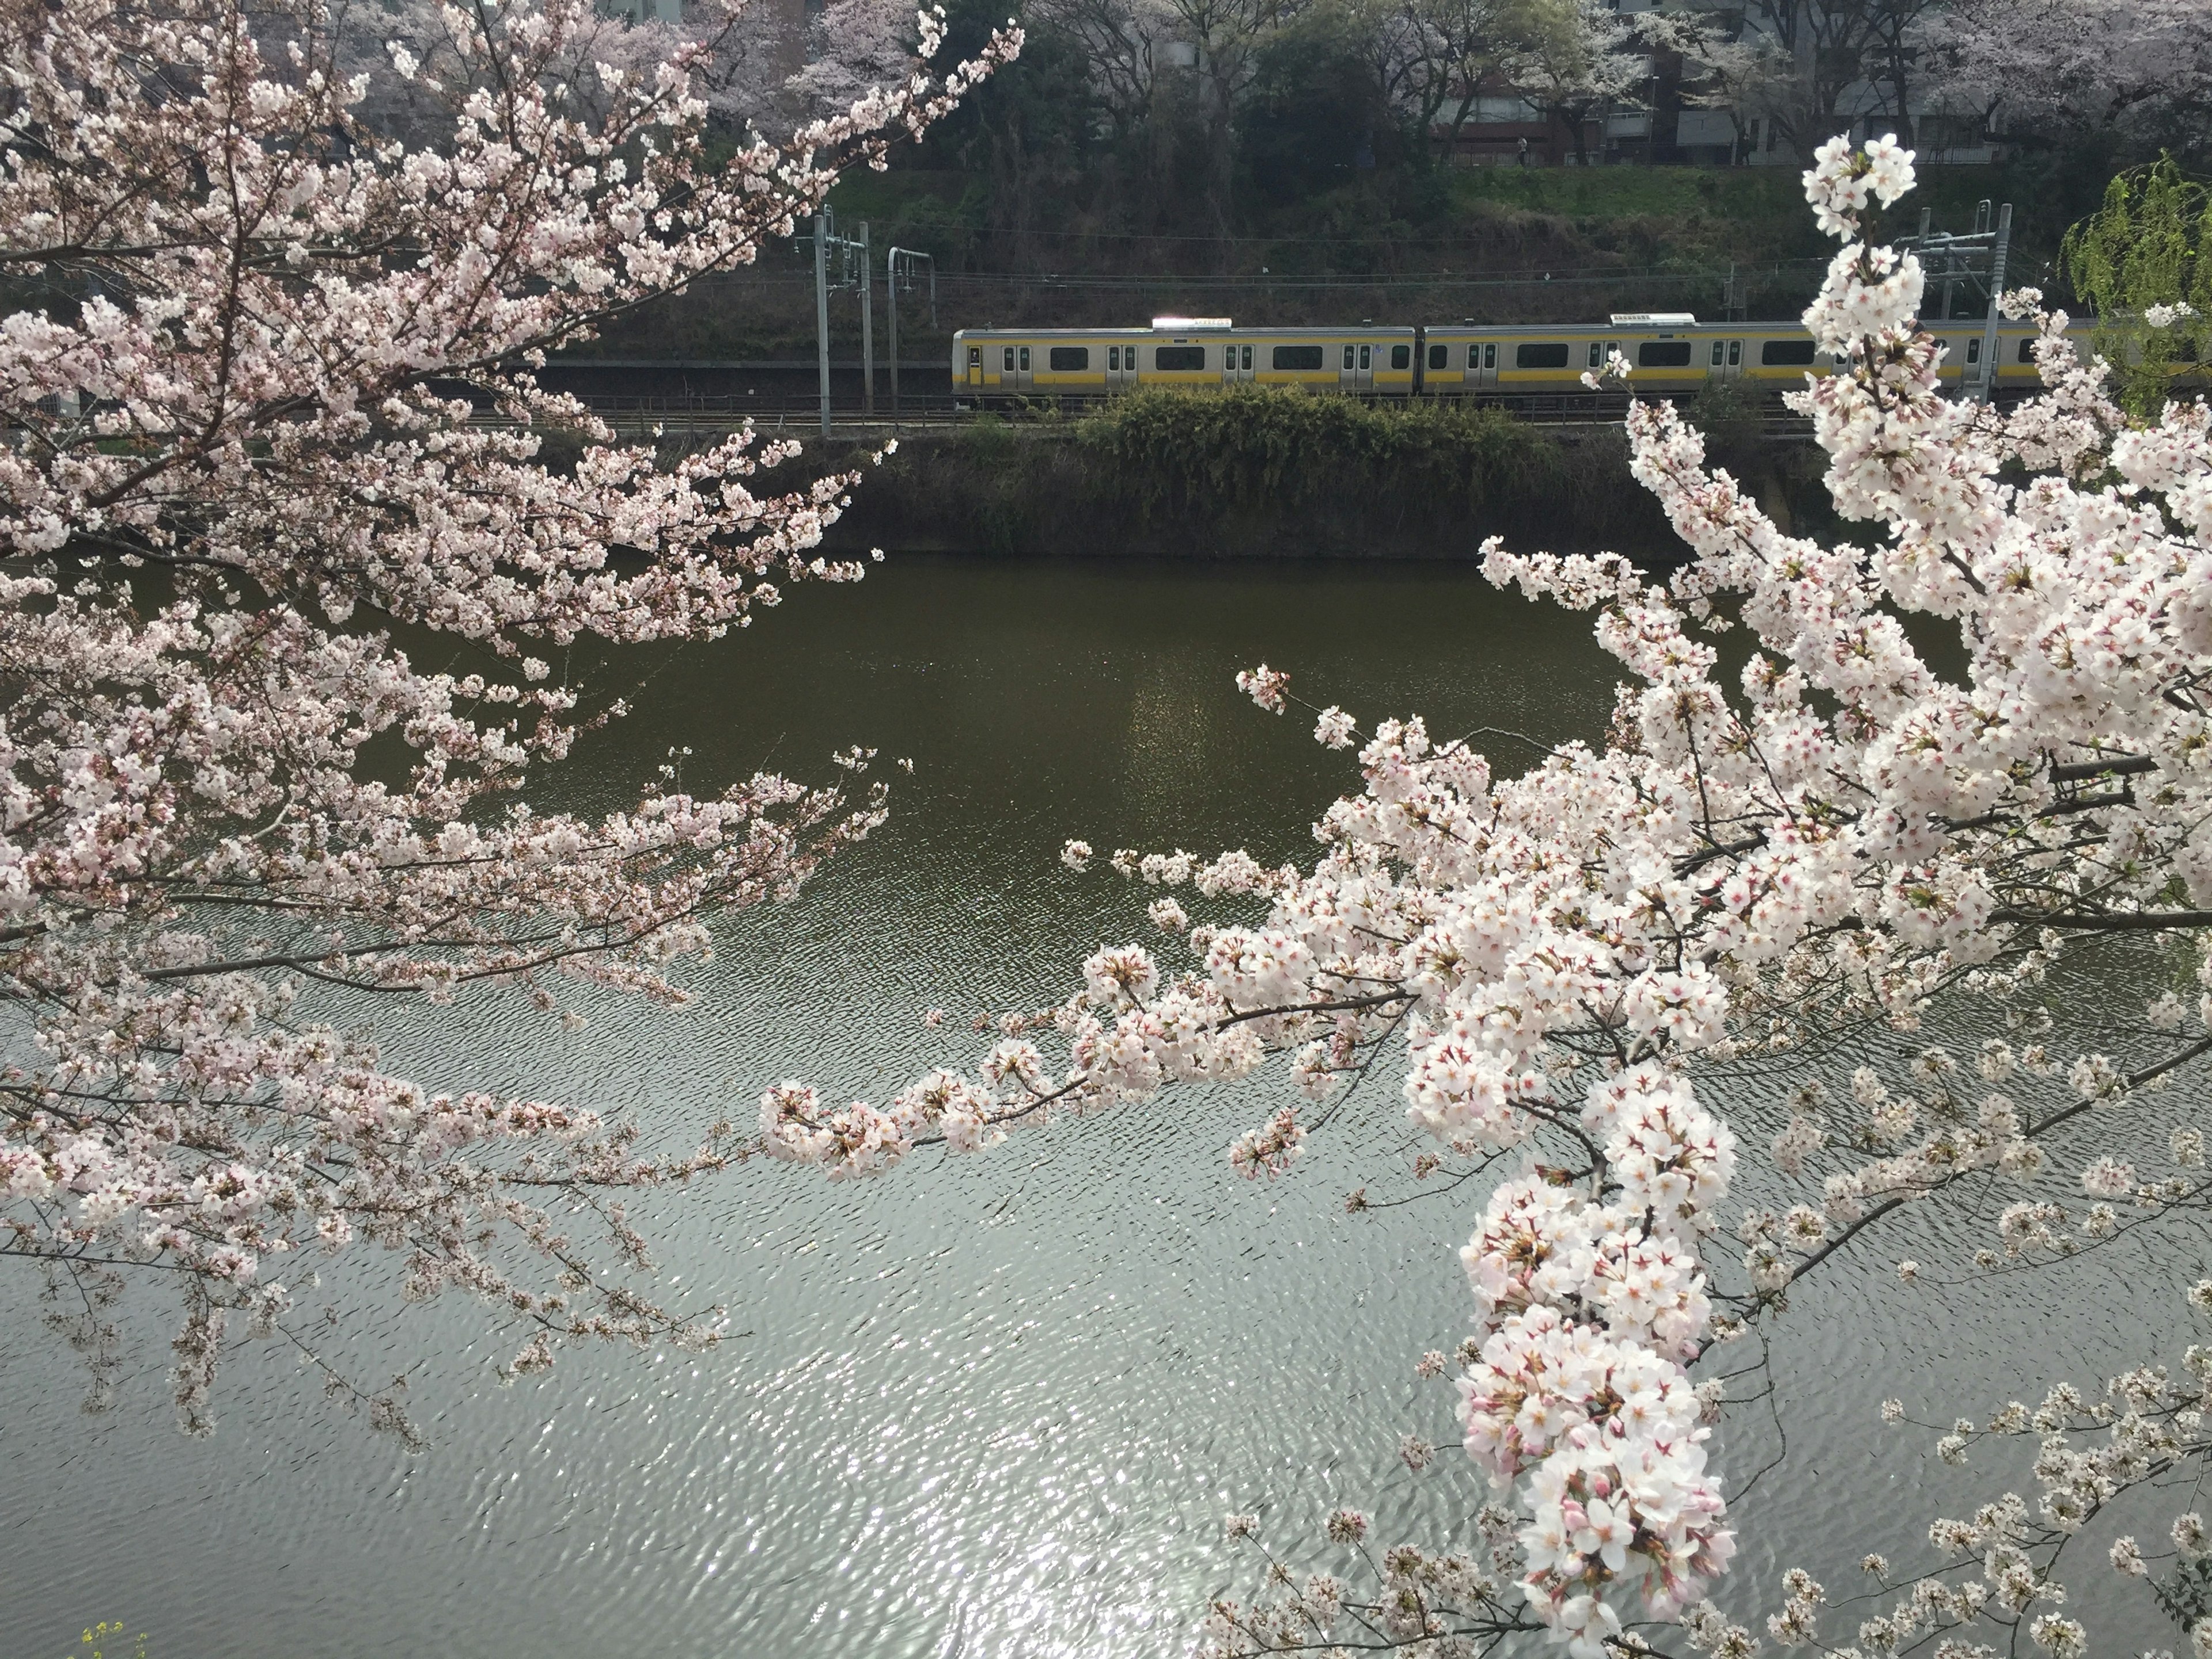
(1254, 472)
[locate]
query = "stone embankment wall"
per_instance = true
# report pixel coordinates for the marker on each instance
(1263, 474)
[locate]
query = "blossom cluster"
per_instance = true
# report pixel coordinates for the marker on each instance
(1590, 1309)
(246, 445)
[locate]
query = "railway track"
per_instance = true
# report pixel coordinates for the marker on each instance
(634, 416)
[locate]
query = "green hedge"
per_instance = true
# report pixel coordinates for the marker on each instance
(1264, 450)
(1252, 472)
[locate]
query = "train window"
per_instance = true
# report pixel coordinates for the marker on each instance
(1489, 355)
(1973, 351)
(1113, 358)
(1066, 360)
(1009, 367)
(1664, 354)
(1735, 354)
(1438, 355)
(1367, 356)
(1347, 357)
(1247, 360)
(1717, 354)
(1401, 357)
(2027, 349)
(1025, 360)
(1172, 359)
(1597, 354)
(1297, 357)
(975, 356)
(1550, 355)
(1786, 354)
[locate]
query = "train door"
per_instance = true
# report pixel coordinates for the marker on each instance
(974, 368)
(1235, 363)
(1481, 363)
(1014, 369)
(1120, 367)
(1971, 380)
(1357, 372)
(1726, 361)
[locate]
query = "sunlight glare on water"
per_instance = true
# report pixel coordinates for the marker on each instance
(989, 1409)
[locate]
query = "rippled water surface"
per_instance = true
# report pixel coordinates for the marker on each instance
(989, 1408)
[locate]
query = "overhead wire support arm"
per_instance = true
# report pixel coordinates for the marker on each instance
(1976, 258)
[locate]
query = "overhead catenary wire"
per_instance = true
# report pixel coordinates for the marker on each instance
(1585, 277)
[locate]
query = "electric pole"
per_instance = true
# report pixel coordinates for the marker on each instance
(891, 285)
(821, 310)
(867, 327)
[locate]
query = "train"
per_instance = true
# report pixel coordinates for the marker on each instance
(1667, 352)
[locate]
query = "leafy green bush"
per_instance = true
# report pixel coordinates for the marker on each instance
(1261, 449)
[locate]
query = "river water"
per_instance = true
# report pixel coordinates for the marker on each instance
(987, 1408)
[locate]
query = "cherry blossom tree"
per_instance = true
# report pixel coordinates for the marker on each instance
(855, 45)
(2137, 69)
(738, 56)
(1576, 58)
(238, 465)
(1961, 755)
(1809, 69)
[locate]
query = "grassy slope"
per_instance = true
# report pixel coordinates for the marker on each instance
(1469, 242)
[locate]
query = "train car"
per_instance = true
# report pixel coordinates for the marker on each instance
(2015, 351)
(1668, 354)
(994, 365)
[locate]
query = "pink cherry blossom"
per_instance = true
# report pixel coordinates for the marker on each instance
(241, 464)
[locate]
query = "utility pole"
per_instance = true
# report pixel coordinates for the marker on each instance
(852, 257)
(821, 310)
(867, 327)
(891, 286)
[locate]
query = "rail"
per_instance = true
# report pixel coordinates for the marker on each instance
(641, 416)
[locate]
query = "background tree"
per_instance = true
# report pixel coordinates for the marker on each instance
(1227, 39)
(1026, 141)
(242, 485)
(1128, 47)
(1317, 115)
(852, 46)
(1806, 67)
(2129, 77)
(740, 57)
(1433, 55)
(1576, 59)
